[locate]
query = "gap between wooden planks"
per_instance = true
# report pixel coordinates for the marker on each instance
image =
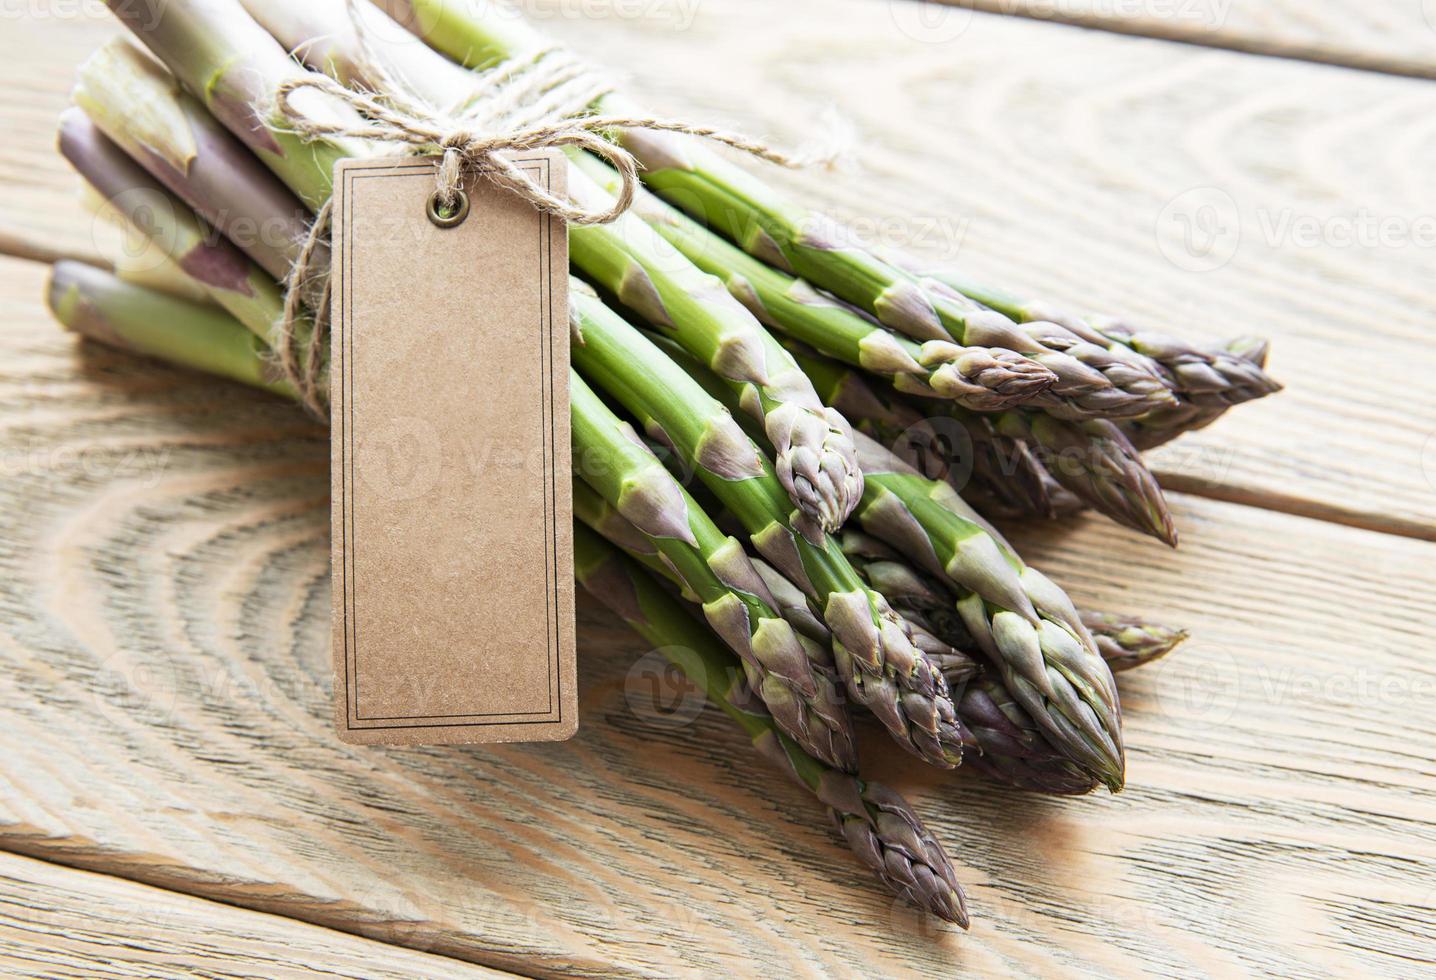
(163, 594)
(1388, 36)
(56, 921)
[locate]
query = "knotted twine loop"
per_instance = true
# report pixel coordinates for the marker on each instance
(541, 101)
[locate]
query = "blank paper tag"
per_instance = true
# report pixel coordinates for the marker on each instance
(452, 556)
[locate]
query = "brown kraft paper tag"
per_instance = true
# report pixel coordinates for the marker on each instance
(452, 549)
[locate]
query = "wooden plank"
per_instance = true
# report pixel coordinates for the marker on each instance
(1064, 163)
(164, 597)
(1378, 35)
(59, 922)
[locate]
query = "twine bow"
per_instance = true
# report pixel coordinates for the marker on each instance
(477, 139)
(540, 101)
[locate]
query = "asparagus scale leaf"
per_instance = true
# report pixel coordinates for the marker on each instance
(1026, 626)
(715, 570)
(882, 829)
(1203, 371)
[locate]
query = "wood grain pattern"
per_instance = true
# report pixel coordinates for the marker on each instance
(164, 594)
(1396, 36)
(1063, 163)
(59, 922)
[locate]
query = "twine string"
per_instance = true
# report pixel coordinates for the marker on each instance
(540, 101)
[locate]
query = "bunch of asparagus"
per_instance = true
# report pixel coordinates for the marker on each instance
(842, 410)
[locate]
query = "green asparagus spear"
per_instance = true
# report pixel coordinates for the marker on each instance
(877, 823)
(715, 570)
(981, 379)
(1020, 619)
(1195, 411)
(100, 306)
(1094, 461)
(1127, 642)
(138, 105)
(1209, 371)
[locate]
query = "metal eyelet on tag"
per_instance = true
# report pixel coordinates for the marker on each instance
(448, 220)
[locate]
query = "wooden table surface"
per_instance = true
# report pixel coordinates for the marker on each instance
(172, 796)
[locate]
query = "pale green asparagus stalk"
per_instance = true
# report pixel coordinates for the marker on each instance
(102, 307)
(714, 569)
(1090, 379)
(983, 379)
(207, 259)
(876, 659)
(139, 105)
(812, 444)
(232, 65)
(1024, 624)
(880, 827)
